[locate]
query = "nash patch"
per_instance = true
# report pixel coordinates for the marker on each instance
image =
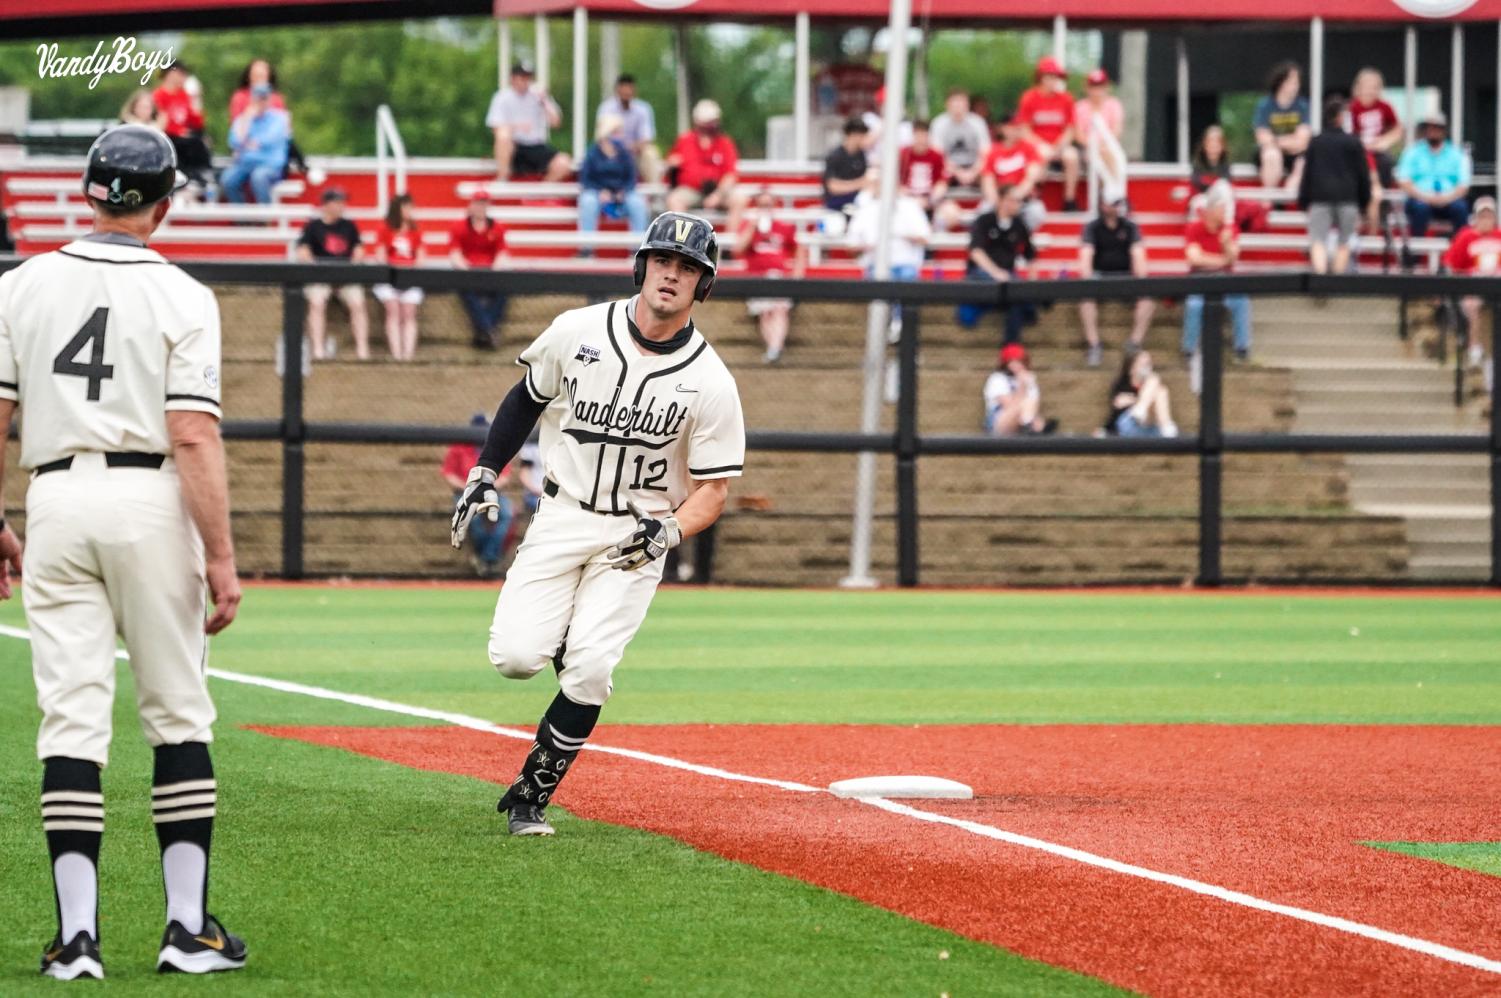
(588, 355)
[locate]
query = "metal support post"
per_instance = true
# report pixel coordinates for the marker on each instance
(1211, 441)
(906, 448)
(293, 430)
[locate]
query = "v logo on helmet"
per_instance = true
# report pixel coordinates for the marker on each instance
(682, 228)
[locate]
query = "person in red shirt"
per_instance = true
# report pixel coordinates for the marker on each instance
(489, 538)
(921, 169)
(1374, 122)
(478, 242)
(769, 247)
(400, 245)
(1047, 116)
(1476, 252)
(1014, 161)
(1211, 246)
(705, 160)
(182, 119)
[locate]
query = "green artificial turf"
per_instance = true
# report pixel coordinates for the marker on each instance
(1482, 856)
(352, 876)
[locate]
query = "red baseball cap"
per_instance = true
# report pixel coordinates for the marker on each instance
(1013, 351)
(1049, 66)
(1097, 77)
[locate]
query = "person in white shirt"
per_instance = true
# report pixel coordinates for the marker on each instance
(1013, 401)
(910, 234)
(640, 125)
(520, 116)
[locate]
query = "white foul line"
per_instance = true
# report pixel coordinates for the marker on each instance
(1416, 945)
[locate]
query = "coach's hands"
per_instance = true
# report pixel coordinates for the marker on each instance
(479, 496)
(653, 538)
(10, 558)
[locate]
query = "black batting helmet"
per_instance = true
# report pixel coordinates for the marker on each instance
(130, 167)
(686, 235)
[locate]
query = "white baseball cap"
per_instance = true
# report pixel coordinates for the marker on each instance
(705, 111)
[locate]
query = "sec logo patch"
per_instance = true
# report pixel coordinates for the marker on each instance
(211, 376)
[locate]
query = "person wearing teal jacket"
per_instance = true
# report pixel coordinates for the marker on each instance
(1434, 173)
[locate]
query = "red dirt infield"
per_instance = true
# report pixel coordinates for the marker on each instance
(1277, 812)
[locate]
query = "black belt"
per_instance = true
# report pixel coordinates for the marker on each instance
(112, 459)
(550, 489)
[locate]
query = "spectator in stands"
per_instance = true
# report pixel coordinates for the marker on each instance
(1013, 401)
(400, 245)
(963, 138)
(1334, 190)
(519, 117)
(488, 539)
(706, 162)
(1099, 102)
(1111, 246)
(139, 109)
(910, 234)
(638, 126)
(1282, 126)
(1435, 175)
(921, 169)
(1476, 252)
(181, 117)
(257, 72)
(845, 168)
(1211, 247)
(1014, 161)
(607, 180)
(770, 250)
(1374, 121)
(260, 137)
(1046, 112)
(875, 122)
(478, 242)
(1211, 164)
(1139, 402)
(332, 238)
(1000, 249)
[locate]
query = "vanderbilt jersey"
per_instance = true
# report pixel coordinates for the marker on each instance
(98, 340)
(624, 425)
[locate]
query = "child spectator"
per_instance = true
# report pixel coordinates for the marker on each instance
(921, 169)
(519, 117)
(181, 117)
(844, 170)
(607, 180)
(260, 137)
(1013, 401)
(1476, 252)
(1281, 123)
(706, 162)
(1374, 121)
(478, 242)
(638, 126)
(770, 250)
(1046, 112)
(1099, 101)
(963, 138)
(1335, 189)
(1111, 246)
(1139, 401)
(332, 238)
(1000, 249)
(488, 538)
(910, 234)
(1211, 247)
(140, 110)
(1013, 161)
(1435, 175)
(400, 245)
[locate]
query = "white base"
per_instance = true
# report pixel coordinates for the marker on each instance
(83, 966)
(901, 787)
(206, 962)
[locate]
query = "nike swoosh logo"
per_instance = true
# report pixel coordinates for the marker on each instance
(217, 942)
(682, 389)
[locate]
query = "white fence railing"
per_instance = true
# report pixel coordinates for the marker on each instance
(390, 157)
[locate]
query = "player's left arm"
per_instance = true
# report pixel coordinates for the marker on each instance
(703, 506)
(10, 544)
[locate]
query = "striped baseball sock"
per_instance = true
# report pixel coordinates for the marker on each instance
(564, 729)
(183, 795)
(73, 818)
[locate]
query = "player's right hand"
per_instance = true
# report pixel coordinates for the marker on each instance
(479, 496)
(224, 589)
(10, 558)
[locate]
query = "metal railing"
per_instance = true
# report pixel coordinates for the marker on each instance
(390, 157)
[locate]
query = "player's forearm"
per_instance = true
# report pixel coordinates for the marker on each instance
(7, 413)
(198, 453)
(703, 506)
(513, 423)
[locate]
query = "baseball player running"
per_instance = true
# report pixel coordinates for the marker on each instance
(643, 431)
(112, 355)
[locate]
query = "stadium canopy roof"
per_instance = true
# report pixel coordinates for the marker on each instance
(1017, 11)
(47, 20)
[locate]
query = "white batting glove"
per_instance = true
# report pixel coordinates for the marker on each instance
(653, 538)
(479, 496)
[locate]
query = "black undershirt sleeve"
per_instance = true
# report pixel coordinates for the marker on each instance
(513, 423)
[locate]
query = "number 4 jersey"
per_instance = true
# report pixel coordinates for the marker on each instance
(626, 424)
(98, 340)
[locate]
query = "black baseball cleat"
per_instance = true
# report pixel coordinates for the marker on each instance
(80, 958)
(524, 818)
(205, 952)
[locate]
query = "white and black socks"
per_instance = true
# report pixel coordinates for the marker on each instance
(562, 733)
(183, 798)
(73, 818)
